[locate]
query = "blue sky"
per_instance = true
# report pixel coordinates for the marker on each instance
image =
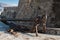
(10, 2)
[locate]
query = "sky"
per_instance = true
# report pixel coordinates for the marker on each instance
(10, 2)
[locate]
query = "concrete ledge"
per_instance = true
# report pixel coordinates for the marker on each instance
(53, 31)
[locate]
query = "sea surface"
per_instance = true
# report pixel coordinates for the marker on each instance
(3, 27)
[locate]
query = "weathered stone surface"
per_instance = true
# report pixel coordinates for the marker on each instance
(9, 12)
(33, 8)
(54, 31)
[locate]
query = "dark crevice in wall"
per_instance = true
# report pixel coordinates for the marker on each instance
(56, 10)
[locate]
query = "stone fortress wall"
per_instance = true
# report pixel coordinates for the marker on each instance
(32, 8)
(29, 9)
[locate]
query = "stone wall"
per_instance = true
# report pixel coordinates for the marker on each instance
(57, 12)
(32, 8)
(9, 12)
(29, 9)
